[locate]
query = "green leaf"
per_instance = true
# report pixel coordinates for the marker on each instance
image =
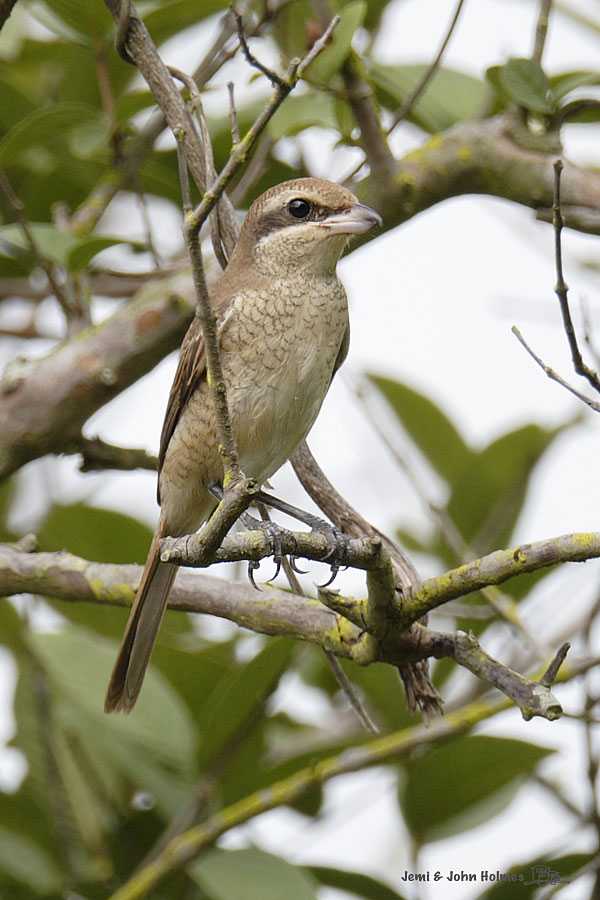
(82, 20)
(52, 243)
(431, 430)
(15, 103)
(334, 56)
(12, 627)
(28, 863)
(559, 868)
(580, 111)
(85, 250)
(237, 694)
(42, 125)
(464, 782)
(159, 730)
(363, 886)
(526, 83)
(449, 97)
(566, 82)
(303, 111)
(98, 534)
(251, 874)
(490, 490)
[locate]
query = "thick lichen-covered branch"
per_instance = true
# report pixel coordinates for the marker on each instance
(45, 402)
(496, 568)
(337, 624)
(484, 157)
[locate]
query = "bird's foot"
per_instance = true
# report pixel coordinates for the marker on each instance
(338, 546)
(275, 535)
(338, 542)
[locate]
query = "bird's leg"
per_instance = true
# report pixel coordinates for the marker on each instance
(337, 540)
(272, 531)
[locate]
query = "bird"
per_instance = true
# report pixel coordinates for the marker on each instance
(283, 331)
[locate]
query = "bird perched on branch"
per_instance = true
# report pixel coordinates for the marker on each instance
(283, 332)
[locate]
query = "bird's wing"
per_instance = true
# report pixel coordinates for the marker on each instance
(191, 369)
(342, 352)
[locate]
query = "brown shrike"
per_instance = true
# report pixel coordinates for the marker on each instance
(283, 332)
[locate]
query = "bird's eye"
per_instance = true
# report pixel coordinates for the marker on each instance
(299, 209)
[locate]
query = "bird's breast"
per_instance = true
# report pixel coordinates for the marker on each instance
(278, 355)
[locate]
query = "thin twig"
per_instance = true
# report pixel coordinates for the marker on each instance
(497, 567)
(275, 79)
(97, 455)
(340, 676)
(224, 228)
(241, 152)
(554, 376)
(541, 30)
(549, 676)
(76, 313)
(361, 100)
(412, 98)
(235, 132)
(214, 369)
(561, 289)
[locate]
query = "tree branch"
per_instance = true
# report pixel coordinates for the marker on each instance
(362, 102)
(498, 567)
(338, 625)
(44, 403)
(482, 157)
(144, 54)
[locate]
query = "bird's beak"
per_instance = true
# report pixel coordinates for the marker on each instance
(354, 219)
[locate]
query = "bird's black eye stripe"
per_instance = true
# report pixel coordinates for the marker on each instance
(299, 208)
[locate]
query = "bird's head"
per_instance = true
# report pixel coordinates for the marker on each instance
(303, 224)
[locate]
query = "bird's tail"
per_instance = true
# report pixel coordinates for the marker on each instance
(141, 632)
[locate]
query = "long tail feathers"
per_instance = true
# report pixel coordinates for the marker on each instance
(141, 632)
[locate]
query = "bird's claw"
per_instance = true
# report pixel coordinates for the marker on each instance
(274, 534)
(295, 567)
(337, 552)
(253, 565)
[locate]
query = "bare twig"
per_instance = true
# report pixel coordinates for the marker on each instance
(541, 30)
(561, 289)
(214, 369)
(241, 152)
(362, 102)
(275, 79)
(189, 550)
(549, 676)
(224, 228)
(554, 376)
(412, 98)
(96, 455)
(235, 132)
